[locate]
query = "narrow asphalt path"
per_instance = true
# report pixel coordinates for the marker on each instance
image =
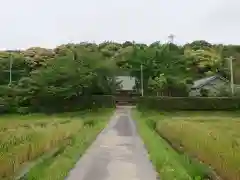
(117, 154)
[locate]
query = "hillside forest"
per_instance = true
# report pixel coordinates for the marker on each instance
(41, 76)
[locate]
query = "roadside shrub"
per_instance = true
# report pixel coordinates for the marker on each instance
(204, 92)
(53, 104)
(23, 110)
(189, 103)
(75, 103)
(8, 101)
(3, 105)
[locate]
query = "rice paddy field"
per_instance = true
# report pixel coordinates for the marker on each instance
(197, 145)
(46, 147)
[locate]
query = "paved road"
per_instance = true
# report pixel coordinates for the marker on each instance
(117, 154)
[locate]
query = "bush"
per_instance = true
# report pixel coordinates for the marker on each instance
(8, 101)
(54, 104)
(3, 105)
(74, 104)
(204, 92)
(189, 103)
(23, 110)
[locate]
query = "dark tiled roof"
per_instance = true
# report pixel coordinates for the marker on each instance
(201, 82)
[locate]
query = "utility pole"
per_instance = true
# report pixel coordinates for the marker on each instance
(231, 72)
(10, 69)
(73, 54)
(142, 79)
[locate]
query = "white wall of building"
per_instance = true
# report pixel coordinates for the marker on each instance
(128, 82)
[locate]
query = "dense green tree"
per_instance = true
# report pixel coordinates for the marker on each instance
(47, 77)
(200, 44)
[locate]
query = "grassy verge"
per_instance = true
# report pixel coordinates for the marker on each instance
(58, 166)
(169, 163)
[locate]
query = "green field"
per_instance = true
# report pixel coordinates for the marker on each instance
(181, 140)
(49, 146)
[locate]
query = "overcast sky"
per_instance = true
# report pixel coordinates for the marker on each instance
(47, 23)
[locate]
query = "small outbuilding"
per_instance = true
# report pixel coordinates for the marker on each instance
(213, 85)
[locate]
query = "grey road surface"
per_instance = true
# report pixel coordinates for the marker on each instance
(117, 154)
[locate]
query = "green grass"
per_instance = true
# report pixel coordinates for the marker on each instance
(169, 164)
(58, 166)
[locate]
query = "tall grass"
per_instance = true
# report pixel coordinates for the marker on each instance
(57, 141)
(32, 144)
(58, 167)
(168, 162)
(161, 155)
(217, 143)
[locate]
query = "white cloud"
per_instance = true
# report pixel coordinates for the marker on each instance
(49, 23)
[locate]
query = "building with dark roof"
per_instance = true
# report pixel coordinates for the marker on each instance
(213, 84)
